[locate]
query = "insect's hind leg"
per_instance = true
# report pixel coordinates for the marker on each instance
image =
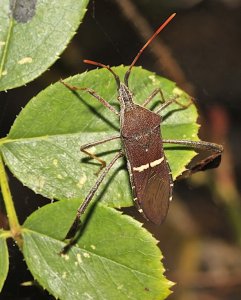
(89, 145)
(202, 145)
(71, 234)
(211, 161)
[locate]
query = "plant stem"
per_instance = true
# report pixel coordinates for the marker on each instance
(15, 227)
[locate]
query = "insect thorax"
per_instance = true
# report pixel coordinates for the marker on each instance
(138, 121)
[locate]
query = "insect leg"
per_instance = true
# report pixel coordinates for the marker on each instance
(152, 96)
(164, 103)
(80, 211)
(89, 145)
(174, 100)
(211, 161)
(202, 145)
(93, 93)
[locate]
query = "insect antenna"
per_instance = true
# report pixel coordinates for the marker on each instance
(144, 47)
(91, 62)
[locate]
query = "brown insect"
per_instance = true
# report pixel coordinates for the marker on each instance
(140, 132)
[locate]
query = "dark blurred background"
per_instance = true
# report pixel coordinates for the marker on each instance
(200, 50)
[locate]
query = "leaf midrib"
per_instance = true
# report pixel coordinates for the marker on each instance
(6, 47)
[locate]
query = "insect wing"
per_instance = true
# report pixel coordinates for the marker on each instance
(157, 194)
(150, 175)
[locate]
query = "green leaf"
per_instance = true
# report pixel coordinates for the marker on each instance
(115, 257)
(42, 148)
(33, 34)
(4, 263)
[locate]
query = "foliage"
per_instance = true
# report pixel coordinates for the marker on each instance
(115, 256)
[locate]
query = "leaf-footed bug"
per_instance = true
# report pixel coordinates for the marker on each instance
(140, 133)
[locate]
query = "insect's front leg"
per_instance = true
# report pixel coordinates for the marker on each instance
(152, 96)
(174, 100)
(89, 145)
(165, 103)
(93, 93)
